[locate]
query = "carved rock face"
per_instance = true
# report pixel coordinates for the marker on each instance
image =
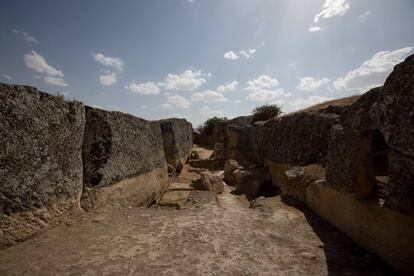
(40, 160)
(177, 136)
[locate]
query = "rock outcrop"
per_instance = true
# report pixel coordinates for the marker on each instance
(248, 142)
(350, 162)
(229, 167)
(301, 139)
(123, 159)
(177, 136)
(384, 115)
(299, 179)
(40, 160)
(383, 231)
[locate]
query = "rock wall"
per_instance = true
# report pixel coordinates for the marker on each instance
(248, 142)
(60, 158)
(364, 155)
(380, 230)
(177, 136)
(301, 138)
(385, 117)
(40, 160)
(117, 147)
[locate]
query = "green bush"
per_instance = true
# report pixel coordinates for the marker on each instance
(209, 123)
(266, 112)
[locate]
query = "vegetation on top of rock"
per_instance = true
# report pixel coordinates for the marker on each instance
(207, 128)
(266, 112)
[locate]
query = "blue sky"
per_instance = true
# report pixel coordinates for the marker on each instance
(202, 58)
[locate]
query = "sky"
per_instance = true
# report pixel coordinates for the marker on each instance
(196, 59)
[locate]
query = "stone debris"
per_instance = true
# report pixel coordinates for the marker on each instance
(176, 199)
(211, 182)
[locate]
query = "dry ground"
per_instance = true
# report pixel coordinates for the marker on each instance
(212, 235)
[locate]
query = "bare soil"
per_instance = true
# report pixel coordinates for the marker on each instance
(212, 235)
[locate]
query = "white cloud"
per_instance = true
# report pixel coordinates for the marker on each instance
(6, 76)
(313, 29)
(248, 53)
(166, 106)
(301, 103)
(55, 81)
(186, 81)
(29, 38)
(208, 96)
(178, 101)
(264, 88)
(108, 79)
(148, 88)
(333, 8)
(25, 35)
(231, 55)
(311, 84)
(373, 72)
(237, 101)
(38, 63)
(117, 63)
(363, 17)
(227, 87)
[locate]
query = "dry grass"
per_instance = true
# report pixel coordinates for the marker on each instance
(338, 102)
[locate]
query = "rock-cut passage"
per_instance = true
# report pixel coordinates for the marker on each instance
(211, 235)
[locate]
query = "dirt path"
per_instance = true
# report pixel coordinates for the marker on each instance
(208, 237)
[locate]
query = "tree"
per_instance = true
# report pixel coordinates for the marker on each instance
(266, 112)
(209, 124)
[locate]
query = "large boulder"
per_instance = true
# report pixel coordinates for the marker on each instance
(248, 143)
(252, 182)
(40, 161)
(357, 116)
(400, 187)
(349, 166)
(177, 135)
(382, 231)
(229, 167)
(123, 159)
(299, 179)
(394, 113)
(301, 139)
(212, 182)
(388, 111)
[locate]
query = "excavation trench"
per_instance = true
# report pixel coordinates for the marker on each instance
(223, 234)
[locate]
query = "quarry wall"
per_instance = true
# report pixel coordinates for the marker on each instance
(353, 165)
(177, 135)
(60, 158)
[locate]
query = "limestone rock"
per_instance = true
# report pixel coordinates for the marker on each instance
(40, 160)
(301, 138)
(299, 179)
(357, 117)
(252, 182)
(229, 167)
(212, 182)
(349, 166)
(400, 187)
(177, 137)
(382, 231)
(394, 111)
(124, 150)
(248, 142)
